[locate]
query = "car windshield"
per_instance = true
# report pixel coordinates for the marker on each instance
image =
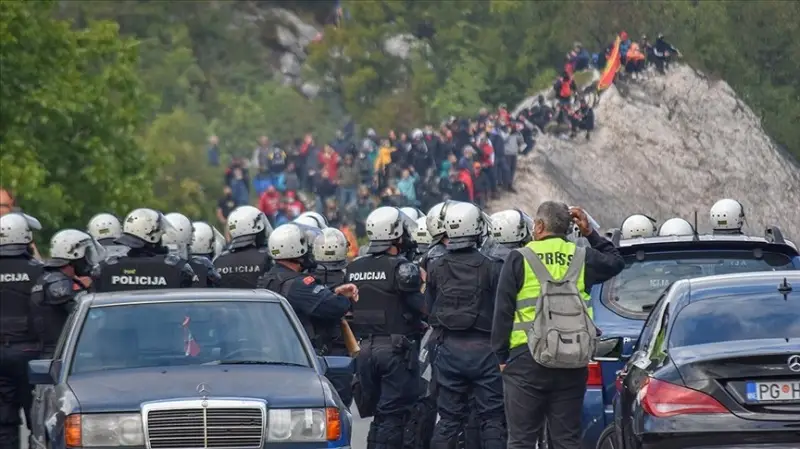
(640, 284)
(746, 317)
(187, 333)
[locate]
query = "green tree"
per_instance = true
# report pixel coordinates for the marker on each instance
(71, 102)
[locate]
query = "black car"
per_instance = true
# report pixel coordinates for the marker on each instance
(716, 365)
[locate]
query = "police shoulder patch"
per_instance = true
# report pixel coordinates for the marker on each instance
(308, 280)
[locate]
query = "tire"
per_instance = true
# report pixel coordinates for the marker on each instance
(608, 439)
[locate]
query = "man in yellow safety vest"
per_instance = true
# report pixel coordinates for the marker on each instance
(535, 393)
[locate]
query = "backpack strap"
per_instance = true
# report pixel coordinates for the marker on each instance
(575, 267)
(538, 268)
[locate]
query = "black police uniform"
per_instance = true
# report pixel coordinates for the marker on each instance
(52, 300)
(18, 343)
(329, 335)
(386, 318)
(461, 288)
(205, 273)
(143, 269)
(241, 267)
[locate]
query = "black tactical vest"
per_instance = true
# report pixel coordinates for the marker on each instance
(139, 273)
(279, 280)
(49, 314)
(201, 266)
(17, 276)
(329, 278)
(464, 293)
(242, 268)
(380, 309)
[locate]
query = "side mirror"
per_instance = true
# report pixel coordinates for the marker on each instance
(338, 365)
(609, 350)
(39, 372)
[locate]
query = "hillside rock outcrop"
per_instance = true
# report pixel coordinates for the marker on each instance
(666, 146)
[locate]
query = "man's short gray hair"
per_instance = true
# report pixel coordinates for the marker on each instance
(555, 217)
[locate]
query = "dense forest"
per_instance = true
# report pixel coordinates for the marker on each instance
(108, 105)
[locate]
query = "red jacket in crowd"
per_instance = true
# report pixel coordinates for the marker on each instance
(270, 201)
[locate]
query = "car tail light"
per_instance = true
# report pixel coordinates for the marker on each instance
(595, 378)
(662, 399)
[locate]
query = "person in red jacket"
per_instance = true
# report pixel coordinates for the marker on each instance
(329, 160)
(294, 207)
(269, 202)
(465, 177)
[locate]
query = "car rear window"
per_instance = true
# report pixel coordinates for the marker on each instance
(640, 284)
(166, 334)
(746, 317)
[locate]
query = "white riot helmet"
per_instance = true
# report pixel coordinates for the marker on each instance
(416, 134)
(386, 226)
(421, 236)
(143, 226)
(675, 226)
(288, 241)
(511, 226)
(16, 233)
(206, 240)
(313, 219)
(330, 249)
(412, 212)
(247, 225)
(179, 237)
(638, 226)
(727, 215)
(104, 226)
(76, 248)
(435, 221)
(466, 224)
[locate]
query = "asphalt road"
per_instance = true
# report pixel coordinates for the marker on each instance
(359, 440)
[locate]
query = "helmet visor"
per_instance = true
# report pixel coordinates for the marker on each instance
(219, 241)
(33, 223)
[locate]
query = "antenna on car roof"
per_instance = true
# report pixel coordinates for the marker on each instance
(695, 235)
(773, 234)
(784, 289)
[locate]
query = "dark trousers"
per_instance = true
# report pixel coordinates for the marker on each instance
(466, 369)
(534, 394)
(391, 375)
(342, 382)
(511, 167)
(15, 391)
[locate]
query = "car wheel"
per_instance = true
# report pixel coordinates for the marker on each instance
(608, 439)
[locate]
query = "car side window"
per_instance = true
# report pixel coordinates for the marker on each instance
(651, 325)
(658, 350)
(58, 353)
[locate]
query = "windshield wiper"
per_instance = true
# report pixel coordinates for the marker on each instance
(254, 362)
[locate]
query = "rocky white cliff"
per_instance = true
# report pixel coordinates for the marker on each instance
(666, 146)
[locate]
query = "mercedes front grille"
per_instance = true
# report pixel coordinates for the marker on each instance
(205, 424)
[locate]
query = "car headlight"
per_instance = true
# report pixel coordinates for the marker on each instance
(104, 429)
(304, 424)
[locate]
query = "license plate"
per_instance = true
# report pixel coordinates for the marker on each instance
(788, 390)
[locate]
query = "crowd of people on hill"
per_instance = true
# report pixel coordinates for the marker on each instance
(570, 112)
(464, 159)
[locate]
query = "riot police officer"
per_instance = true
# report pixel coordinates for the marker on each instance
(314, 303)
(148, 264)
(313, 219)
(18, 343)
(461, 288)
(74, 255)
(247, 256)
(387, 319)
(330, 254)
(207, 241)
(422, 237)
(509, 229)
(177, 239)
(438, 232)
(106, 228)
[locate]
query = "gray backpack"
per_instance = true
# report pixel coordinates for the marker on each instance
(562, 334)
